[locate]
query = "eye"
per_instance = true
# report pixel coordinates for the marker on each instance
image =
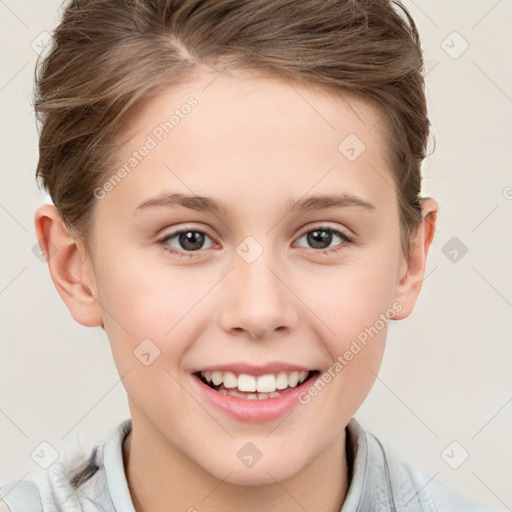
(189, 241)
(321, 237)
(192, 240)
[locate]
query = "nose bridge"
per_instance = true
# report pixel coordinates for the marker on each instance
(259, 301)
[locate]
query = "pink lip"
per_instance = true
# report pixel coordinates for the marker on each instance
(256, 410)
(255, 370)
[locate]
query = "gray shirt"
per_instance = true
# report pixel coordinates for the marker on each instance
(379, 482)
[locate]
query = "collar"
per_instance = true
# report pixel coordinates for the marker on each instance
(357, 453)
(114, 468)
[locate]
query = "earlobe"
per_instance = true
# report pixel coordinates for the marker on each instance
(409, 285)
(67, 264)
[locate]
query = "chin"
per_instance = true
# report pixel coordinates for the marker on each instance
(257, 475)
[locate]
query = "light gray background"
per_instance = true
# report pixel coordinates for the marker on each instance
(446, 373)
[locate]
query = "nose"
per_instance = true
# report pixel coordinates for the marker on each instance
(258, 300)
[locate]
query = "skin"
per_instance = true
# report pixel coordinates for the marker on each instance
(253, 143)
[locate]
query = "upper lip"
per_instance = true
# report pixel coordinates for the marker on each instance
(251, 369)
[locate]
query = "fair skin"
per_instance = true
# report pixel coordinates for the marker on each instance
(253, 144)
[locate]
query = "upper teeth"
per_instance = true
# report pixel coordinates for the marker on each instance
(263, 383)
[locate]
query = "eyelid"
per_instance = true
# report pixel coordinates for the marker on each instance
(325, 225)
(186, 228)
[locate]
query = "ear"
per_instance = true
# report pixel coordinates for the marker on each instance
(70, 267)
(409, 285)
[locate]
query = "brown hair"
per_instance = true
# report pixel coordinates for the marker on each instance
(107, 55)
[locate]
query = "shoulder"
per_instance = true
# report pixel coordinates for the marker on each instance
(74, 483)
(78, 481)
(22, 496)
(447, 500)
(410, 489)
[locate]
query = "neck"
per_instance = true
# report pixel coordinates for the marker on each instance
(161, 475)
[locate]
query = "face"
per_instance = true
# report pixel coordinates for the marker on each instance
(184, 288)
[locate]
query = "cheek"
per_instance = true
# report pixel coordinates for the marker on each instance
(354, 305)
(349, 297)
(149, 297)
(150, 308)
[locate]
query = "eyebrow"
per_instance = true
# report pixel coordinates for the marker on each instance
(207, 204)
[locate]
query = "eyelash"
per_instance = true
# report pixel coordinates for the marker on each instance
(189, 254)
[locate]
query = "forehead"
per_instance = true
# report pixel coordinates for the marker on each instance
(252, 135)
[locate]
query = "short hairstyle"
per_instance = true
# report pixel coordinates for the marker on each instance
(108, 55)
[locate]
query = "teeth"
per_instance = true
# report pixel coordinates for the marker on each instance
(282, 381)
(216, 378)
(247, 382)
(229, 379)
(263, 384)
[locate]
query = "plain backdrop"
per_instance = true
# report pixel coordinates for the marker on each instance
(444, 392)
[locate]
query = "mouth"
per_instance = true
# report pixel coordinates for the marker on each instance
(252, 387)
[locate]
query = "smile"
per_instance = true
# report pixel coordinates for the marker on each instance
(253, 398)
(252, 387)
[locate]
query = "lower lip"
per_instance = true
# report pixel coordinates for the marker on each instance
(254, 410)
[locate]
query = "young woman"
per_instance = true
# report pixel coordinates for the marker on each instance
(237, 202)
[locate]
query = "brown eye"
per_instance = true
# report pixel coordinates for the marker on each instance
(321, 238)
(187, 241)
